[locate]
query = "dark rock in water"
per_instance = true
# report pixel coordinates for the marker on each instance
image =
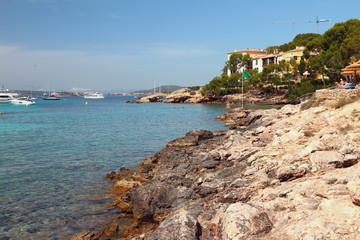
(191, 138)
(123, 173)
(108, 232)
(111, 175)
(84, 235)
(184, 142)
(126, 173)
(201, 134)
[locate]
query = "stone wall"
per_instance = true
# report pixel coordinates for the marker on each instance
(336, 94)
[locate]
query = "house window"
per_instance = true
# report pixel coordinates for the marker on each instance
(256, 62)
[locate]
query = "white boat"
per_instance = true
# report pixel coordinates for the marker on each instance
(93, 95)
(6, 96)
(22, 101)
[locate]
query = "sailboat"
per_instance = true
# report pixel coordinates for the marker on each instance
(50, 97)
(31, 96)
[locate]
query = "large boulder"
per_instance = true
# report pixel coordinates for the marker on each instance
(157, 98)
(181, 225)
(183, 142)
(243, 221)
(188, 95)
(201, 134)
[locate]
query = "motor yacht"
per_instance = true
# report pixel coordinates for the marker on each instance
(93, 95)
(22, 101)
(5, 96)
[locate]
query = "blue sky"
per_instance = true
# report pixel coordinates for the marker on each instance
(117, 45)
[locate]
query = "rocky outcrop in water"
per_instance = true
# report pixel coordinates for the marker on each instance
(156, 98)
(184, 95)
(293, 174)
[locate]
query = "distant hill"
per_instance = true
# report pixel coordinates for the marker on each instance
(164, 89)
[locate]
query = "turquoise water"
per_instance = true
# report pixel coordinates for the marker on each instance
(54, 156)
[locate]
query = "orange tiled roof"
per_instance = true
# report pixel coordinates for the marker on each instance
(253, 51)
(267, 56)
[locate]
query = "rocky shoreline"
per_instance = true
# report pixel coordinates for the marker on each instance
(189, 95)
(293, 174)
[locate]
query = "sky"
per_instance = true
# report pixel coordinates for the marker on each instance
(121, 46)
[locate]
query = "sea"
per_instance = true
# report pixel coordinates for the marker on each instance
(54, 157)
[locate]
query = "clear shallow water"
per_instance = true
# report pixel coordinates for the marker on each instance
(54, 156)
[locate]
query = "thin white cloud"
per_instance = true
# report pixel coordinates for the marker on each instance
(9, 49)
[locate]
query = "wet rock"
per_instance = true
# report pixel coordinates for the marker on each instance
(201, 134)
(111, 175)
(84, 235)
(184, 142)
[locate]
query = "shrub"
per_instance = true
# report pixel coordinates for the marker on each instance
(267, 89)
(194, 88)
(342, 102)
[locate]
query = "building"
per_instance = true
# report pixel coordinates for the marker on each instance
(296, 54)
(252, 52)
(261, 61)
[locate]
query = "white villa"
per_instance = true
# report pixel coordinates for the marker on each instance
(260, 59)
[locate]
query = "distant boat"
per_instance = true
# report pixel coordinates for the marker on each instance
(50, 97)
(22, 101)
(31, 97)
(93, 95)
(6, 96)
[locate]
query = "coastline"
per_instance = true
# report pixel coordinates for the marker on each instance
(190, 95)
(289, 175)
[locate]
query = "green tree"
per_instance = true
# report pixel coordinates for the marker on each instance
(302, 67)
(213, 87)
(294, 67)
(316, 65)
(340, 43)
(236, 62)
(299, 40)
